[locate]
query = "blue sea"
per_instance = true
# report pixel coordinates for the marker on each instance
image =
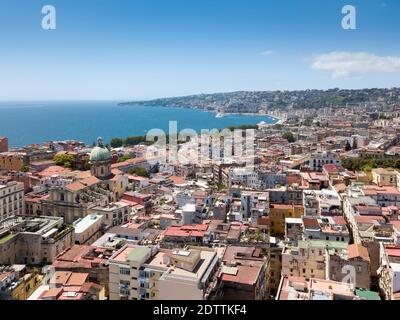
(36, 122)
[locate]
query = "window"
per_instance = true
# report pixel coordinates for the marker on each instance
(124, 283)
(125, 271)
(124, 292)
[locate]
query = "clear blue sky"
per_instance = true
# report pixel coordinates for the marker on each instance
(138, 49)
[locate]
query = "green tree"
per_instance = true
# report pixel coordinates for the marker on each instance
(289, 136)
(369, 163)
(64, 160)
(139, 172)
(135, 140)
(221, 186)
(116, 142)
(124, 158)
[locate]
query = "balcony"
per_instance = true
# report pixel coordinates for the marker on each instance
(143, 294)
(143, 274)
(144, 285)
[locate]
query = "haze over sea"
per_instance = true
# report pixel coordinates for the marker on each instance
(36, 122)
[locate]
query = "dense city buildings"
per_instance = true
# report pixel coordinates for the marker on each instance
(315, 217)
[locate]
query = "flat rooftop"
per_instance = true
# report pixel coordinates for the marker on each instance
(205, 260)
(132, 253)
(87, 222)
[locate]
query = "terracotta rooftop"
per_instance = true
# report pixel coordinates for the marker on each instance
(333, 168)
(67, 278)
(311, 223)
(80, 256)
(393, 251)
(245, 275)
(90, 181)
(186, 231)
(357, 251)
(75, 186)
(374, 190)
(54, 170)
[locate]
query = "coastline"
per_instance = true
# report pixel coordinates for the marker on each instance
(101, 119)
(218, 114)
(278, 119)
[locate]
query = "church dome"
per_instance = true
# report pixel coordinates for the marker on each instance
(100, 153)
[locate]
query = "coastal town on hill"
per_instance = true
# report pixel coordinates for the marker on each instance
(315, 216)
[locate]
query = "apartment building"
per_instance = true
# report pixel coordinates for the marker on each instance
(389, 272)
(329, 260)
(274, 267)
(384, 177)
(309, 258)
(17, 282)
(321, 203)
(292, 195)
(88, 229)
(33, 240)
(114, 214)
(326, 228)
(244, 177)
(318, 160)
(86, 259)
(270, 180)
(358, 209)
(355, 261)
(279, 212)
(139, 198)
(66, 285)
(254, 205)
(385, 196)
(13, 161)
(147, 273)
(293, 230)
(243, 274)
(175, 236)
(300, 288)
(12, 200)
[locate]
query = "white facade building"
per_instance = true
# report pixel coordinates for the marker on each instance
(12, 200)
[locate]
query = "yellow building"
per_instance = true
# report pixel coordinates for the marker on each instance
(384, 177)
(12, 161)
(279, 212)
(18, 283)
(28, 284)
